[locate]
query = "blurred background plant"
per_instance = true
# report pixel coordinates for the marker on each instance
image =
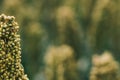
(60, 63)
(87, 27)
(104, 67)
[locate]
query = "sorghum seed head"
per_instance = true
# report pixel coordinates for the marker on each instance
(10, 51)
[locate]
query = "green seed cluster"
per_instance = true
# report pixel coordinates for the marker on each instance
(10, 51)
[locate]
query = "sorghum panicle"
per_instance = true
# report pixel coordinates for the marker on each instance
(10, 51)
(104, 67)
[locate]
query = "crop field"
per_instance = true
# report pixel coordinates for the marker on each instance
(60, 40)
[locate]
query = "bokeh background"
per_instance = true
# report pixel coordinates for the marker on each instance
(59, 37)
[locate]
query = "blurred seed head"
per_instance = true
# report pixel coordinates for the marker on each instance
(59, 53)
(64, 14)
(60, 61)
(104, 67)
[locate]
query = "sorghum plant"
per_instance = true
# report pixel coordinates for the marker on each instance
(104, 67)
(10, 51)
(60, 63)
